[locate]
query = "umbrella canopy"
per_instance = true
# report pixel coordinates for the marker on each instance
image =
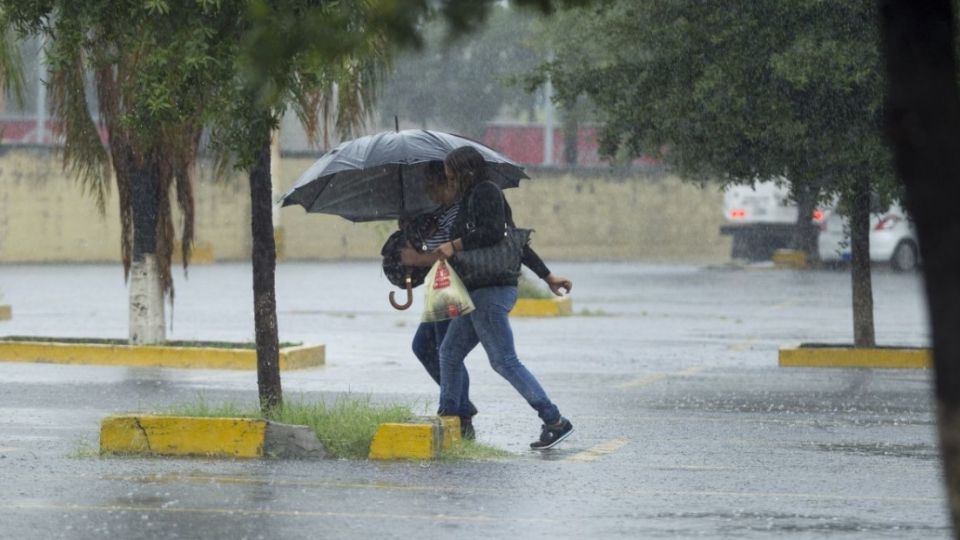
(383, 176)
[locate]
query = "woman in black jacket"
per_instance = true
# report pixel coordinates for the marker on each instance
(481, 223)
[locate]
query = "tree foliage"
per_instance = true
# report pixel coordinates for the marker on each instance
(461, 82)
(733, 92)
(11, 63)
(155, 67)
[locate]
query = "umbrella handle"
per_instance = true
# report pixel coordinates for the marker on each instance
(409, 301)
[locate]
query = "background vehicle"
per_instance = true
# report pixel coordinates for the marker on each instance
(892, 239)
(761, 218)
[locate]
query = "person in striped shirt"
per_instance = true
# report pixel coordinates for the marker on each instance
(429, 335)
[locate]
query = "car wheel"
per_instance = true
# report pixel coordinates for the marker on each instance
(904, 257)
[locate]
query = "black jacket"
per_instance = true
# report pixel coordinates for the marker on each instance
(482, 222)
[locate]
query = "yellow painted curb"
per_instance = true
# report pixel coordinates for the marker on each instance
(790, 259)
(415, 440)
(6, 313)
(183, 436)
(200, 253)
(404, 441)
(854, 357)
(154, 355)
(450, 431)
(546, 307)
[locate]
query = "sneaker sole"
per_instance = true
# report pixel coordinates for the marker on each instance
(554, 443)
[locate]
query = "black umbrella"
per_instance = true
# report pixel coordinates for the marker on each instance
(382, 176)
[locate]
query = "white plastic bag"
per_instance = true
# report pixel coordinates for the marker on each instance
(446, 296)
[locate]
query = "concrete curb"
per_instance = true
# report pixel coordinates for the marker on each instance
(856, 357)
(6, 312)
(542, 307)
(207, 437)
(155, 355)
(200, 253)
(423, 438)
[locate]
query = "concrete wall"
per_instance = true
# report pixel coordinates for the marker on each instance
(45, 216)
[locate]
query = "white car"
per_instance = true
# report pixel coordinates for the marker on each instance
(892, 239)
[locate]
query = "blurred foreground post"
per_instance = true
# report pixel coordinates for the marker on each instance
(923, 123)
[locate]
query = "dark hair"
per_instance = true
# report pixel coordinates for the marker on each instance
(434, 173)
(468, 166)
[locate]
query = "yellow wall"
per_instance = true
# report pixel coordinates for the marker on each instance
(45, 216)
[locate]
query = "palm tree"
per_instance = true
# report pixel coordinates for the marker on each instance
(11, 62)
(152, 73)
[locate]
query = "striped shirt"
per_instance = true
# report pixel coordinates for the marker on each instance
(444, 224)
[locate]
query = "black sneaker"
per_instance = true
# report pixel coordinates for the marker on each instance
(466, 430)
(553, 434)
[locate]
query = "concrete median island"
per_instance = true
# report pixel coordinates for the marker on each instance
(204, 355)
(848, 356)
(239, 437)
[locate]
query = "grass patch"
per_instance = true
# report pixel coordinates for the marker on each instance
(466, 450)
(84, 449)
(345, 427)
(110, 341)
(528, 287)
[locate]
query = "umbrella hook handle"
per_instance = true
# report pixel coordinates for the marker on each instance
(409, 302)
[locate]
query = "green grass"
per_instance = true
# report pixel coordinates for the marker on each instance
(83, 448)
(473, 451)
(529, 287)
(109, 341)
(345, 427)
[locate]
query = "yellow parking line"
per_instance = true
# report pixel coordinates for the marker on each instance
(650, 379)
(785, 303)
(742, 345)
(598, 451)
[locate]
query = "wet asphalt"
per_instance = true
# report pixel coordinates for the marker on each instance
(685, 426)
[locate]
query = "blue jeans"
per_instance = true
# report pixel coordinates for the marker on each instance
(489, 326)
(426, 347)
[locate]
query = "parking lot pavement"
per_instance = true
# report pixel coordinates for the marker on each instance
(685, 425)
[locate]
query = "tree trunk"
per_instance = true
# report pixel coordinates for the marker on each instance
(862, 286)
(923, 122)
(805, 233)
(264, 268)
(146, 291)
